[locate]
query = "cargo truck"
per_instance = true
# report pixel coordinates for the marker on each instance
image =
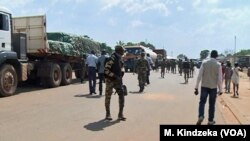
(25, 55)
(133, 52)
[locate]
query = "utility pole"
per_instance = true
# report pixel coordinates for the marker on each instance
(234, 49)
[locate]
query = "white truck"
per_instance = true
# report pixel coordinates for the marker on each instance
(133, 52)
(25, 55)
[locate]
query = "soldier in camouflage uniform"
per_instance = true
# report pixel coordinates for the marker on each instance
(142, 67)
(114, 74)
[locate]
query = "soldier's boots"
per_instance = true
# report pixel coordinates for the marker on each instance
(120, 115)
(108, 116)
(141, 89)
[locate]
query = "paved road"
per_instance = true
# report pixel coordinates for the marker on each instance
(69, 113)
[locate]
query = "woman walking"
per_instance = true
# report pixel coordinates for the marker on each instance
(235, 79)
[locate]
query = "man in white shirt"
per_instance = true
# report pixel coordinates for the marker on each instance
(151, 63)
(210, 75)
(91, 62)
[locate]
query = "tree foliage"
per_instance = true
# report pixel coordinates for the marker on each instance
(121, 43)
(228, 52)
(204, 54)
(108, 49)
(181, 56)
(243, 52)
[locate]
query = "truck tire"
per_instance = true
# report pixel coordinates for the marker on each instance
(55, 77)
(8, 80)
(66, 74)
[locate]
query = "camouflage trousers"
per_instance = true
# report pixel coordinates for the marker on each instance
(186, 74)
(142, 78)
(110, 85)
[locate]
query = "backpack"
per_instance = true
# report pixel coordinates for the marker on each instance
(248, 72)
(105, 62)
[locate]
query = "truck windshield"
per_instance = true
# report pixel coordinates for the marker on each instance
(134, 50)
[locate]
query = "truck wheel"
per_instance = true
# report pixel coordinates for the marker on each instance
(55, 77)
(8, 80)
(66, 74)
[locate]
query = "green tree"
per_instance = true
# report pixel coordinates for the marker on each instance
(121, 43)
(108, 49)
(181, 56)
(204, 54)
(130, 44)
(243, 52)
(228, 52)
(147, 45)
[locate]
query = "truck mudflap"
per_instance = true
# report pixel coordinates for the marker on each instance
(44, 69)
(24, 71)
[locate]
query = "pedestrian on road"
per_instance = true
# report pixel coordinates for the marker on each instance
(236, 80)
(186, 68)
(227, 76)
(113, 72)
(210, 75)
(180, 66)
(142, 67)
(151, 64)
(248, 74)
(100, 67)
(163, 67)
(91, 62)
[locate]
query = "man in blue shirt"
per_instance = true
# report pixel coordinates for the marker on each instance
(100, 67)
(91, 62)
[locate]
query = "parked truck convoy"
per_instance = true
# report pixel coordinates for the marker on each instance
(25, 55)
(133, 52)
(244, 61)
(161, 53)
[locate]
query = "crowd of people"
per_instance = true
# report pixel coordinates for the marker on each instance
(211, 75)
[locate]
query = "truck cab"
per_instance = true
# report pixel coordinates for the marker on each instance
(5, 30)
(9, 64)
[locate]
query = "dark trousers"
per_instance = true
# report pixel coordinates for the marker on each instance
(212, 93)
(101, 80)
(92, 79)
(147, 77)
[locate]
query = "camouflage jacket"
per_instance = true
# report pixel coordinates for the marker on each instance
(142, 65)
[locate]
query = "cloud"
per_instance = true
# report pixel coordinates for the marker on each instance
(212, 1)
(196, 3)
(240, 15)
(179, 8)
(15, 3)
(112, 22)
(136, 7)
(136, 23)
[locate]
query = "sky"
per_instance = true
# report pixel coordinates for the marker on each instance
(179, 26)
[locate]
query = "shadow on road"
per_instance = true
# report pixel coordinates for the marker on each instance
(135, 92)
(184, 83)
(89, 96)
(100, 125)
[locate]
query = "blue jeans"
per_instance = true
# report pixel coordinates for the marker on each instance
(212, 93)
